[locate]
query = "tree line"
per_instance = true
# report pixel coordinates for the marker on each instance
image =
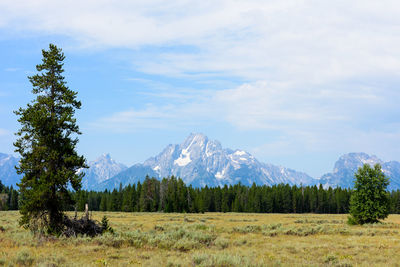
(8, 197)
(173, 195)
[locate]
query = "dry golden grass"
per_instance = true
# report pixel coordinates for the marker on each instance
(211, 239)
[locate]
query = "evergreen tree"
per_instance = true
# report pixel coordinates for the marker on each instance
(103, 202)
(144, 204)
(3, 201)
(163, 194)
(115, 204)
(370, 200)
(225, 199)
(218, 199)
(133, 198)
(395, 196)
(81, 200)
(137, 197)
(13, 199)
(126, 198)
(46, 143)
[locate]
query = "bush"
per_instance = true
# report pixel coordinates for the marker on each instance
(351, 220)
(221, 243)
(223, 260)
(169, 236)
(240, 242)
(247, 229)
(24, 258)
(370, 201)
(105, 225)
(186, 244)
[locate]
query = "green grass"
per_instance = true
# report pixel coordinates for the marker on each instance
(211, 239)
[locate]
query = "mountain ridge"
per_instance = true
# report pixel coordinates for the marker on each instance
(347, 165)
(200, 161)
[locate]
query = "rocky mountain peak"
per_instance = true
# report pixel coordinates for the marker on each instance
(104, 159)
(200, 161)
(352, 161)
(100, 170)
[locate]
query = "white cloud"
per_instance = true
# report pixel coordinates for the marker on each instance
(315, 71)
(152, 117)
(132, 120)
(312, 41)
(305, 118)
(263, 105)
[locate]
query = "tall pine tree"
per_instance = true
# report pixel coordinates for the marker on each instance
(47, 145)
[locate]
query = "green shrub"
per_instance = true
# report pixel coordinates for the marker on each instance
(240, 242)
(330, 259)
(199, 259)
(168, 236)
(351, 220)
(186, 244)
(24, 258)
(222, 260)
(105, 225)
(221, 243)
(247, 229)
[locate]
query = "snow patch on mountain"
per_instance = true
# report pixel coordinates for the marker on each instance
(184, 158)
(240, 152)
(156, 168)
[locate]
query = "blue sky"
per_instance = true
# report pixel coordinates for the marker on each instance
(295, 83)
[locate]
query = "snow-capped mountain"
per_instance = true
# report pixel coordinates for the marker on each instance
(200, 161)
(348, 164)
(100, 170)
(8, 173)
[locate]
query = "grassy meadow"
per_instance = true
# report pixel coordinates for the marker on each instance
(210, 239)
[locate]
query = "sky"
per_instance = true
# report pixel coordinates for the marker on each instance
(295, 83)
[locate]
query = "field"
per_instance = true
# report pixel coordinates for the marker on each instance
(210, 239)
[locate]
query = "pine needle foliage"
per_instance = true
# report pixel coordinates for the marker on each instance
(370, 202)
(47, 144)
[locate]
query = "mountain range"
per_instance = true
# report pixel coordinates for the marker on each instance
(200, 162)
